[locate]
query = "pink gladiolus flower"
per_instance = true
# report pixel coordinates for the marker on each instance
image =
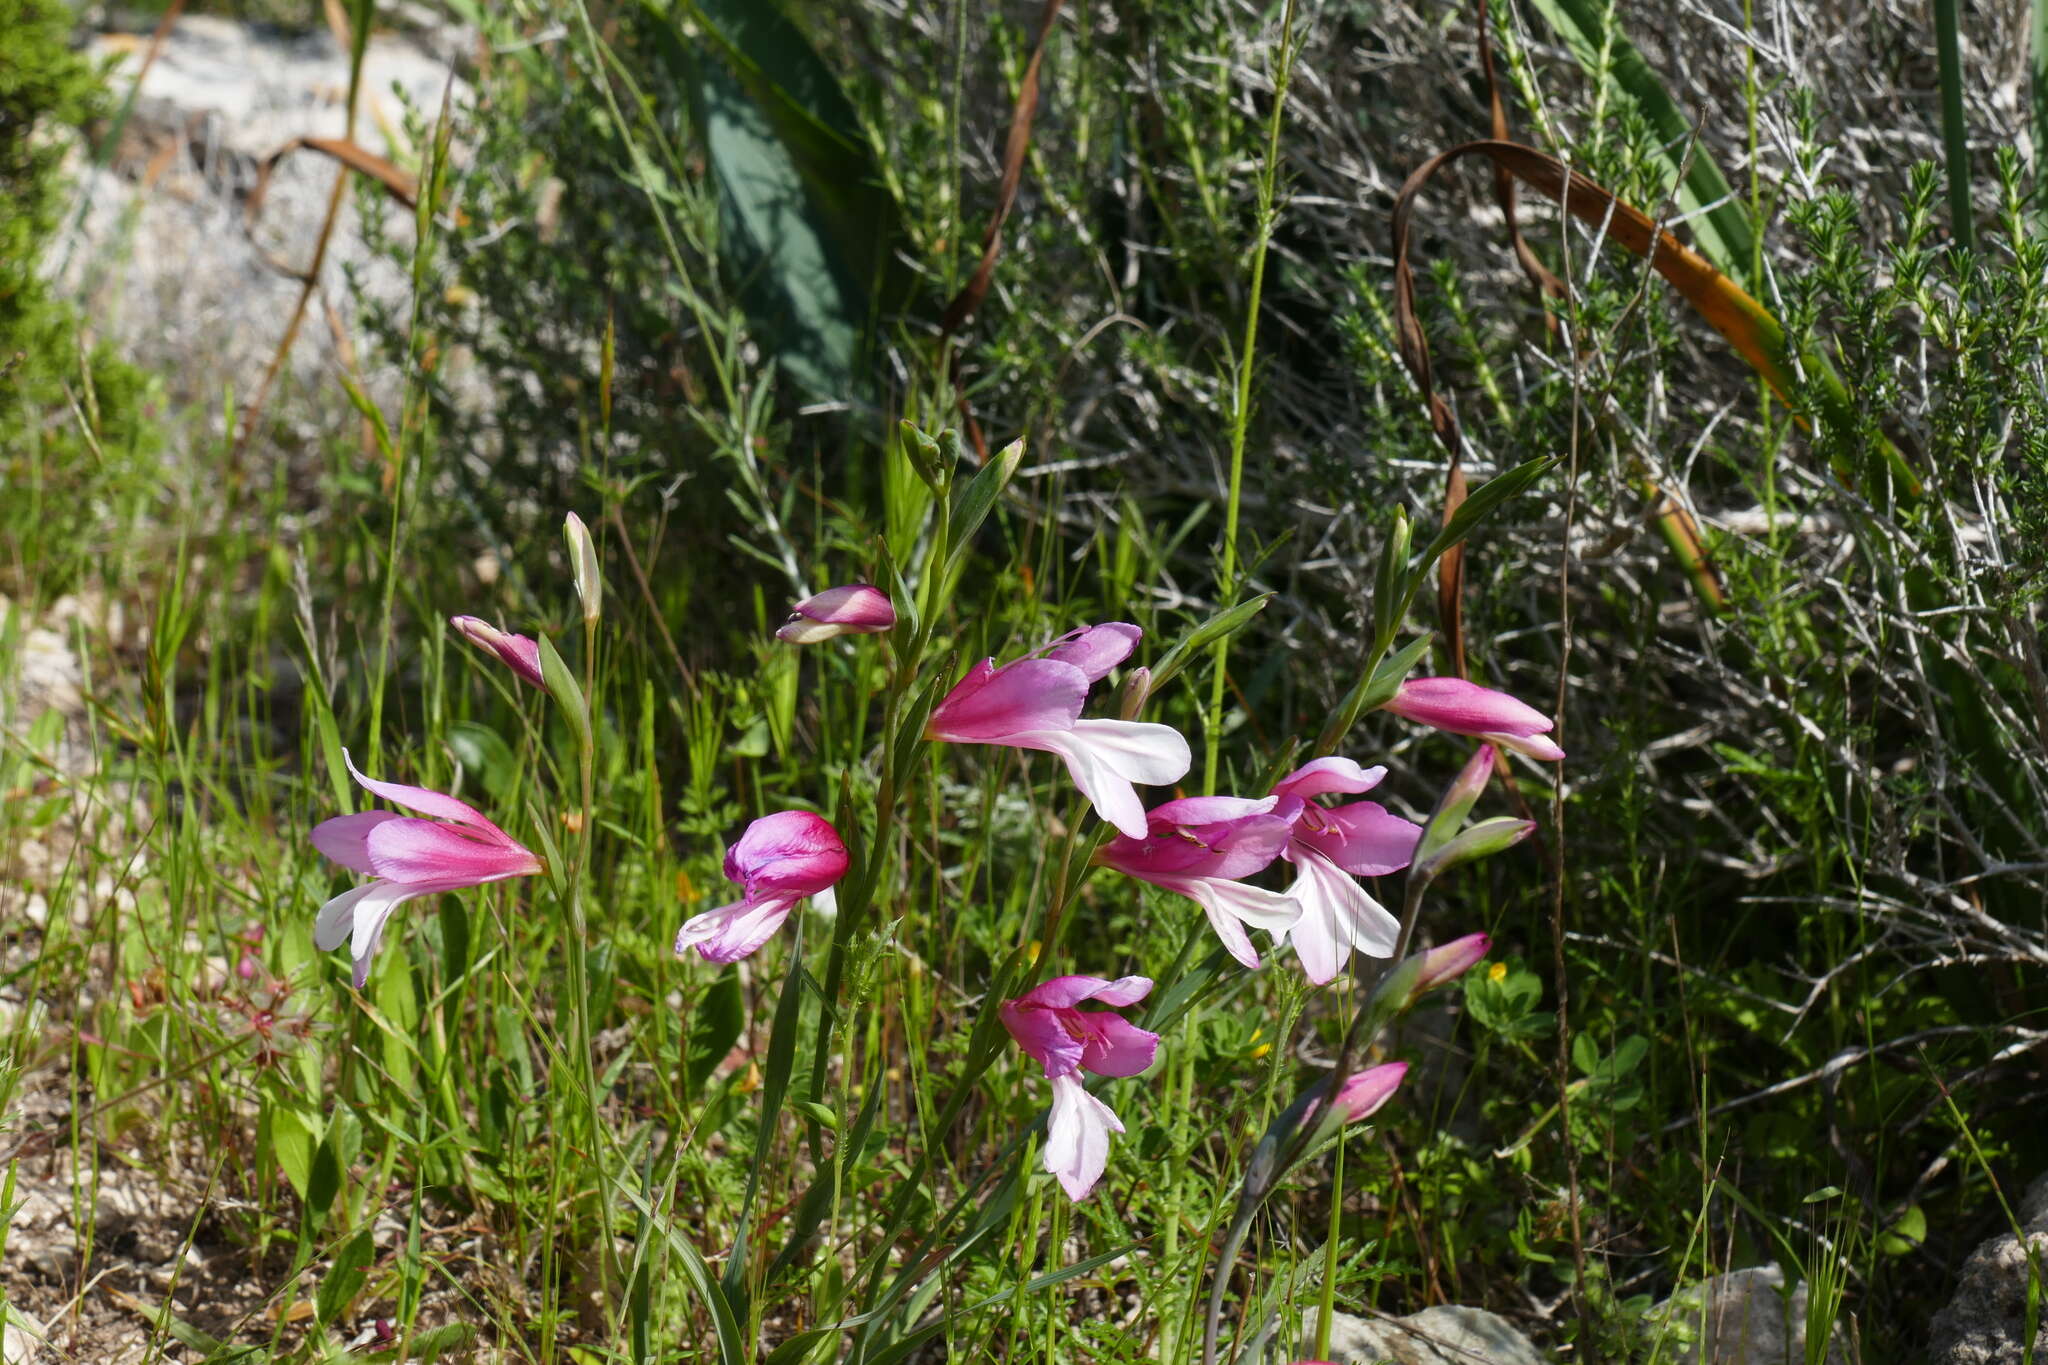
(855, 609)
(1464, 708)
(780, 860)
(1035, 703)
(1331, 846)
(520, 653)
(1449, 961)
(1200, 847)
(406, 857)
(1049, 1024)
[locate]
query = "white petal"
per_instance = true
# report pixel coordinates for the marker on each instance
(1077, 1136)
(1254, 905)
(1337, 915)
(1104, 757)
(1318, 938)
(331, 927)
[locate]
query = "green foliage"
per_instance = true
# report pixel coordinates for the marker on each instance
(68, 409)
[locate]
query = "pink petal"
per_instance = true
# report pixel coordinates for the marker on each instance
(791, 852)
(1077, 1137)
(734, 931)
(993, 708)
(1094, 649)
(404, 850)
(1327, 775)
(519, 653)
(1065, 992)
(1207, 810)
(1535, 746)
(1452, 960)
(342, 839)
(856, 608)
(1363, 1092)
(426, 802)
(1043, 1036)
(1117, 1047)
(1465, 708)
(1363, 837)
(1104, 757)
(1230, 849)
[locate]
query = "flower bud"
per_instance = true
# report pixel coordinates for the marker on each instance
(1137, 690)
(583, 567)
(855, 609)
(1452, 960)
(520, 653)
(1482, 840)
(1364, 1092)
(1456, 803)
(1464, 708)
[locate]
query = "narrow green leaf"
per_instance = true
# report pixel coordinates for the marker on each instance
(978, 499)
(1221, 626)
(1479, 504)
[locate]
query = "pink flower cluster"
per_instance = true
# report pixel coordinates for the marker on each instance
(1204, 848)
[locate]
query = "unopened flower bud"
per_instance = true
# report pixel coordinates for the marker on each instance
(1137, 690)
(1452, 960)
(855, 609)
(1464, 708)
(583, 567)
(1482, 840)
(520, 653)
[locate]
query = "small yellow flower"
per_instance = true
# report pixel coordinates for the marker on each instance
(1498, 972)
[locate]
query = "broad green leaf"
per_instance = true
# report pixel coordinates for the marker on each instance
(714, 1027)
(339, 1286)
(809, 219)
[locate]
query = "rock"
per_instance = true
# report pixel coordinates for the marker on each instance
(1436, 1336)
(21, 1336)
(162, 263)
(1742, 1318)
(1985, 1322)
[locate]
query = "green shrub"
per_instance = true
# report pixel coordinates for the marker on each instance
(66, 406)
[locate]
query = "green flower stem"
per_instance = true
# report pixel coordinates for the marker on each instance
(1240, 411)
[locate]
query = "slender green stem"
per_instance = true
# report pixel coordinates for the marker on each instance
(1241, 400)
(1955, 134)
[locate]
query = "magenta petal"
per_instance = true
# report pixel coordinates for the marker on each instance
(426, 802)
(1365, 1091)
(1065, 992)
(1230, 849)
(342, 838)
(1364, 838)
(404, 850)
(1028, 695)
(791, 852)
(519, 653)
(1207, 810)
(1042, 1035)
(1327, 775)
(1095, 649)
(1118, 1047)
(856, 608)
(1465, 708)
